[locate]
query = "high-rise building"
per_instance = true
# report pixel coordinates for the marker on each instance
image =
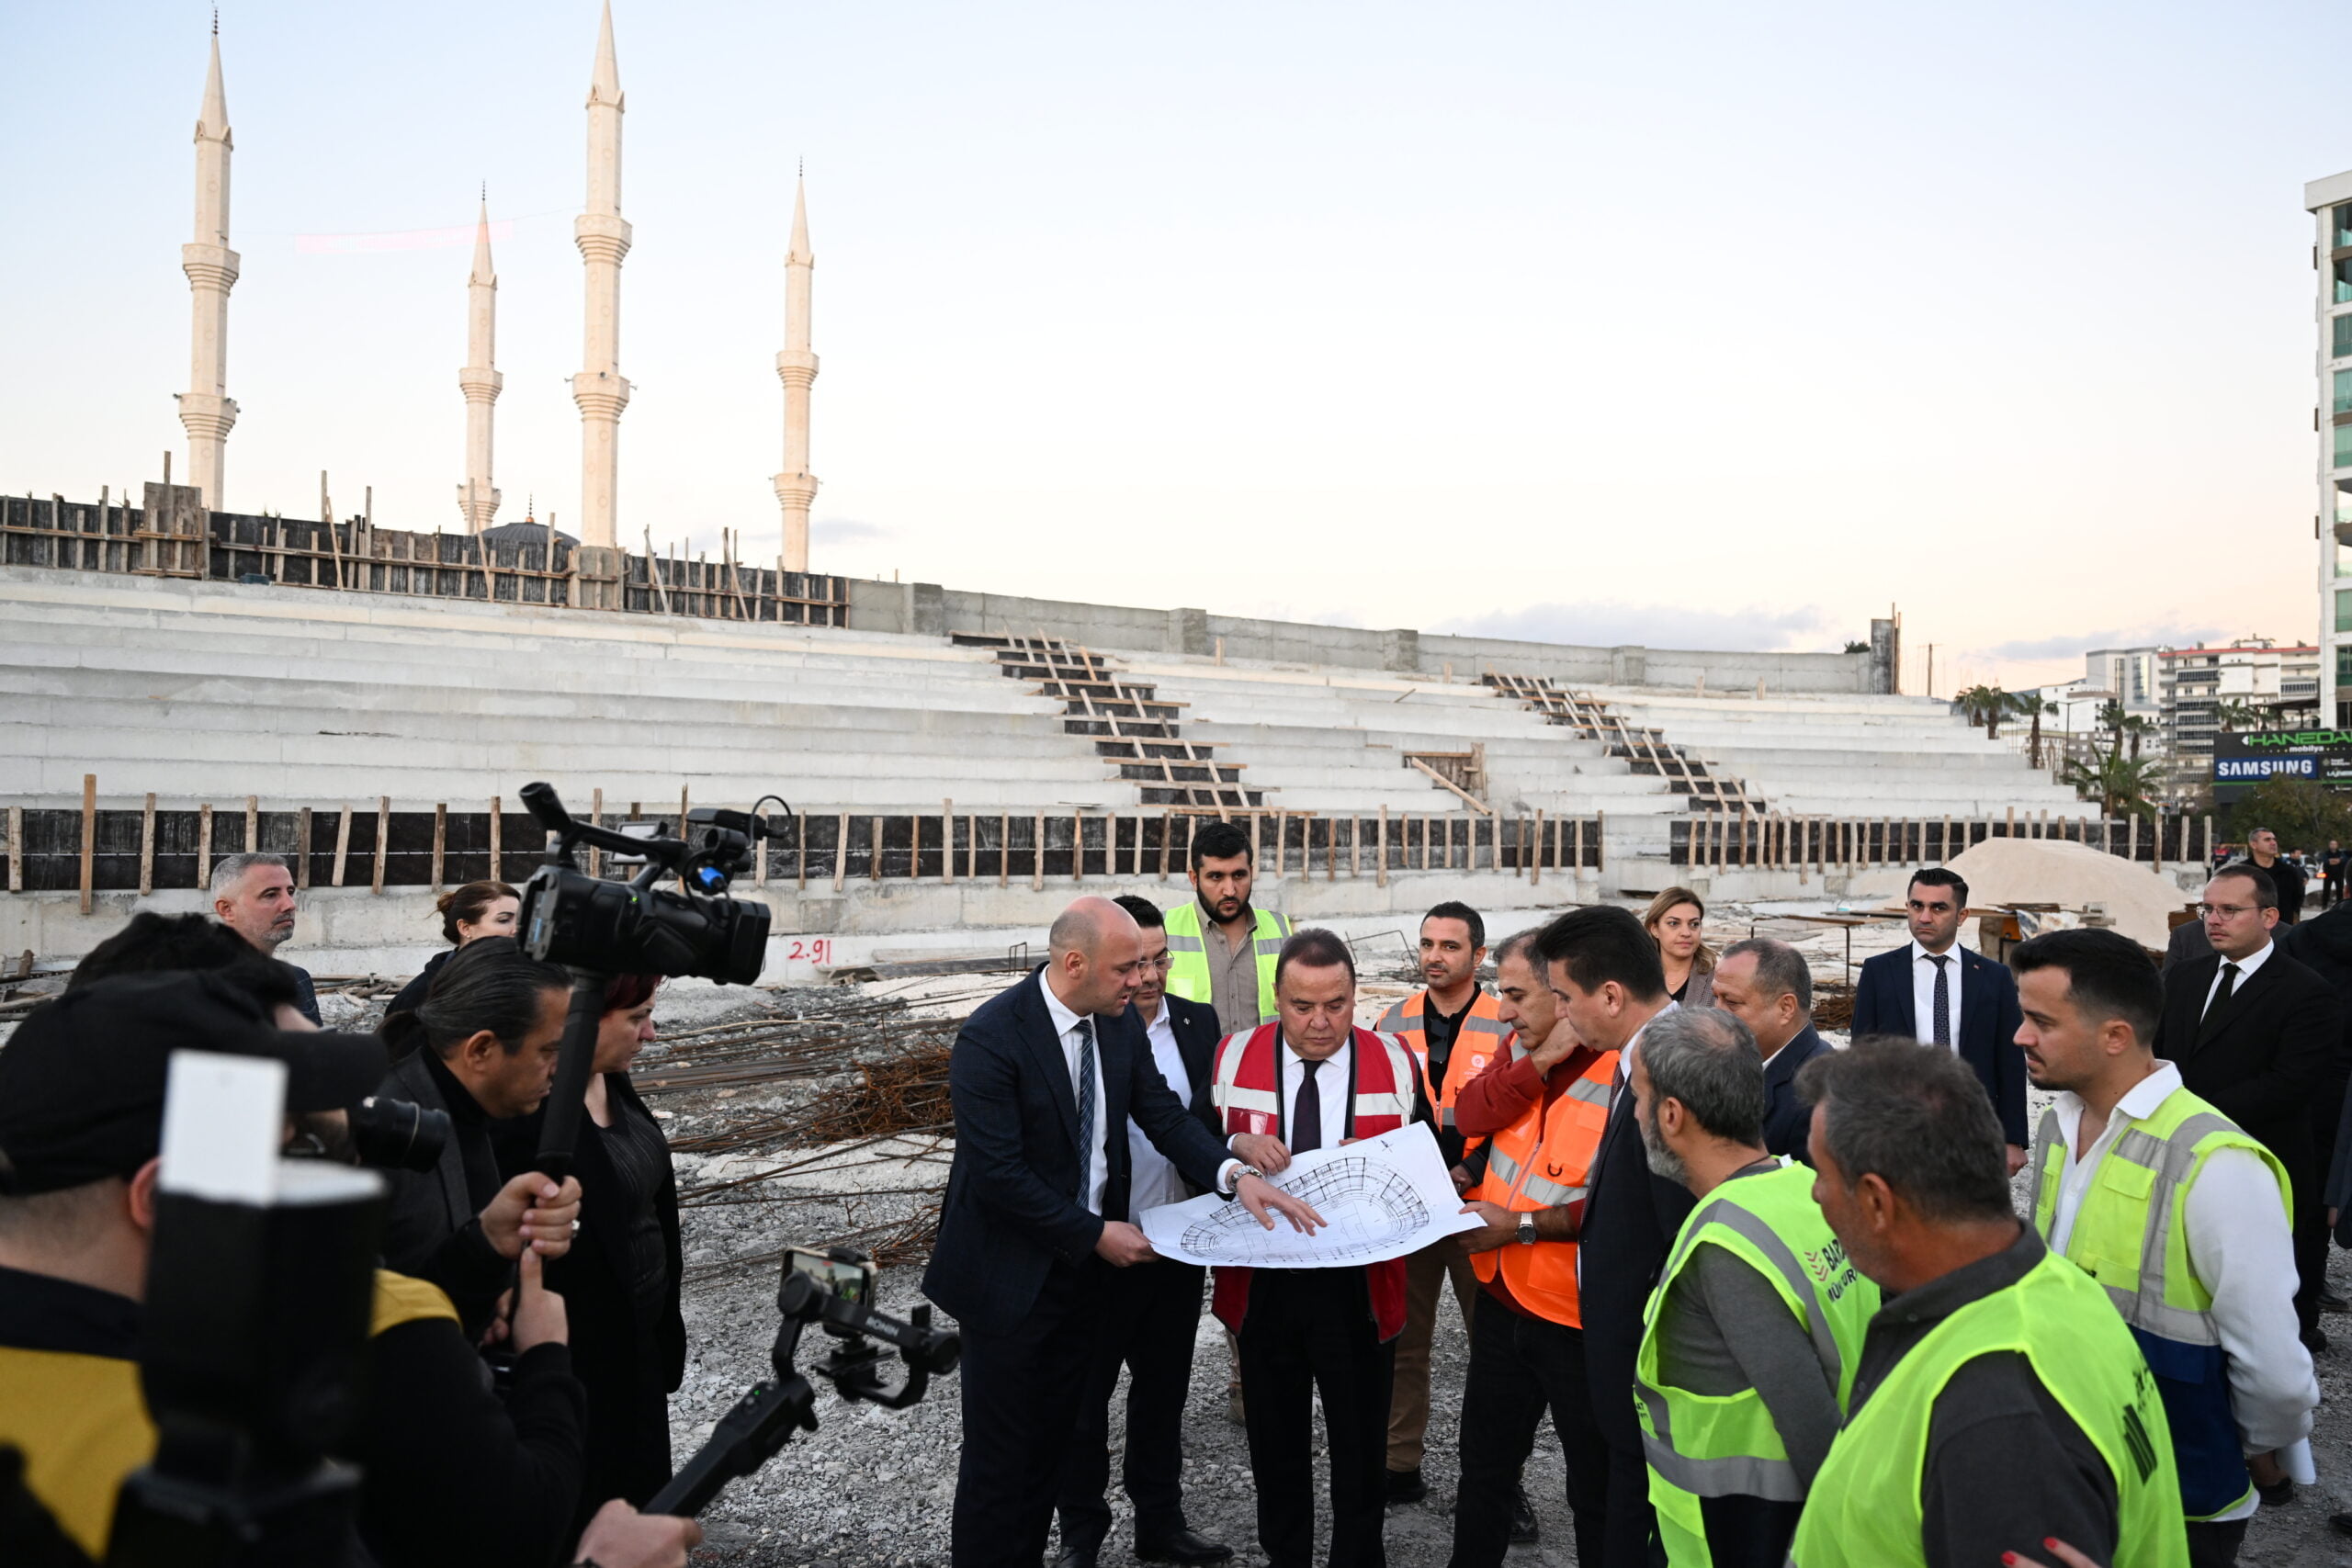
(2252, 684)
(2329, 203)
(2129, 676)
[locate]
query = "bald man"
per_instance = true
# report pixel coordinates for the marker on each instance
(1045, 1079)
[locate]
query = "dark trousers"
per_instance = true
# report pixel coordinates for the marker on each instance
(2312, 1234)
(1150, 1314)
(2215, 1544)
(1521, 1366)
(1309, 1332)
(1021, 1397)
(1748, 1532)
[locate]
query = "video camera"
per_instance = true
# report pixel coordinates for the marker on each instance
(832, 1288)
(599, 929)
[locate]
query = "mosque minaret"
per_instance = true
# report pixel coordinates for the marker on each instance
(603, 235)
(796, 367)
(206, 409)
(480, 379)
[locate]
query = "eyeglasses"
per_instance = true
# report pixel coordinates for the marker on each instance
(1162, 963)
(2227, 912)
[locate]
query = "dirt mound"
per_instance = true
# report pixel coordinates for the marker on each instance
(2050, 870)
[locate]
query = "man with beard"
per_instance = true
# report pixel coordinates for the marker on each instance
(1747, 1351)
(1220, 950)
(254, 895)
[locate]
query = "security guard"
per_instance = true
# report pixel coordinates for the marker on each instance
(1999, 1401)
(1751, 1338)
(82, 1085)
(2148, 1189)
(1541, 1107)
(1220, 951)
(1451, 1027)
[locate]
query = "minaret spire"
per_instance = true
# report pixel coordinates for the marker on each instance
(205, 411)
(796, 487)
(603, 236)
(480, 379)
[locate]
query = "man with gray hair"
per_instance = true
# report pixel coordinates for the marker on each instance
(1999, 1399)
(1768, 986)
(253, 896)
(1756, 1323)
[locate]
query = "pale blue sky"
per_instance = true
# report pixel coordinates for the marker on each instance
(1706, 323)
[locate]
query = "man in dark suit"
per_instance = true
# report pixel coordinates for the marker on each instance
(2256, 1034)
(1152, 1310)
(1605, 969)
(1933, 990)
(1044, 1079)
(1768, 986)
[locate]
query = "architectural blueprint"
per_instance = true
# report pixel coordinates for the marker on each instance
(1381, 1197)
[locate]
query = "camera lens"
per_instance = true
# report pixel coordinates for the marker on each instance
(397, 1134)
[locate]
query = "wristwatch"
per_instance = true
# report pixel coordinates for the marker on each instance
(1527, 1228)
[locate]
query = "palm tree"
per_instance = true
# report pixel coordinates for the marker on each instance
(2036, 707)
(2110, 718)
(2122, 784)
(1985, 705)
(2237, 714)
(2135, 727)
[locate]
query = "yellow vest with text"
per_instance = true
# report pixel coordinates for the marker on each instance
(1188, 955)
(81, 1420)
(1704, 1446)
(2131, 1234)
(1866, 1509)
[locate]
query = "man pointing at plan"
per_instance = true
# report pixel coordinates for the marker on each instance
(1312, 1080)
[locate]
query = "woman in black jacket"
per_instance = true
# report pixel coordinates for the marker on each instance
(620, 1280)
(476, 909)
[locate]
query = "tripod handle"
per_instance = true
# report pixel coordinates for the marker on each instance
(750, 1435)
(567, 1100)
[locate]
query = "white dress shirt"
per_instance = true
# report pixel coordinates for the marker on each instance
(1332, 1079)
(2243, 1253)
(1098, 1158)
(1923, 992)
(1155, 1181)
(2246, 966)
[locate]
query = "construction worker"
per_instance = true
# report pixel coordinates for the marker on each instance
(1999, 1400)
(1747, 1349)
(1220, 950)
(1452, 1028)
(2178, 1213)
(1540, 1107)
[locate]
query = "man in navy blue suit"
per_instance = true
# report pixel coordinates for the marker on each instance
(1935, 991)
(1768, 986)
(1045, 1079)
(1152, 1312)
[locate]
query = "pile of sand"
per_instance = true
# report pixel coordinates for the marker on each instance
(2050, 870)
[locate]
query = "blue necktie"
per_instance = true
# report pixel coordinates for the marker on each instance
(1943, 997)
(1085, 1107)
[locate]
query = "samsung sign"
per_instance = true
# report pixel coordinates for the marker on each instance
(2240, 761)
(2252, 769)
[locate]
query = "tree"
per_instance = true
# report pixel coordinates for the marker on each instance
(2136, 727)
(2304, 814)
(2122, 784)
(2110, 718)
(1987, 705)
(2237, 714)
(2036, 707)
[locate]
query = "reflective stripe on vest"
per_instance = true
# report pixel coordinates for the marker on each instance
(2131, 1234)
(1543, 1161)
(1188, 955)
(1865, 1508)
(1721, 1446)
(1468, 1058)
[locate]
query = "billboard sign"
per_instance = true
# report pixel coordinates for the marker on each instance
(2240, 761)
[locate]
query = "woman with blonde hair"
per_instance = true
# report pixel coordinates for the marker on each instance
(1673, 922)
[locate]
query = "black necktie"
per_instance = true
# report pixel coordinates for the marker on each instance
(1307, 1113)
(1085, 1087)
(1943, 997)
(2221, 992)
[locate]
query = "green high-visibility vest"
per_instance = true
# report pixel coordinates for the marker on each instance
(1188, 955)
(2131, 1234)
(1865, 1508)
(1722, 1445)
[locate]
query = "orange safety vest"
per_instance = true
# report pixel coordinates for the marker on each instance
(1482, 1037)
(1248, 1095)
(1529, 1168)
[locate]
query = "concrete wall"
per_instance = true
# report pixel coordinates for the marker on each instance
(927, 609)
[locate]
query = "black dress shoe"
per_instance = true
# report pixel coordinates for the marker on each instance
(1407, 1485)
(2277, 1495)
(2315, 1339)
(1525, 1529)
(1076, 1557)
(1186, 1546)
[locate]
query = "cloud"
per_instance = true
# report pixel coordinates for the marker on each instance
(842, 531)
(2073, 645)
(1607, 623)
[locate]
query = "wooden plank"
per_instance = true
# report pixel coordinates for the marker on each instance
(302, 851)
(1537, 879)
(1444, 783)
(1167, 835)
(840, 851)
(440, 841)
(1382, 851)
(203, 846)
(383, 841)
(17, 848)
(597, 856)
(89, 838)
(497, 855)
(947, 840)
(253, 823)
(342, 844)
(1077, 846)
(1037, 858)
(877, 868)
(147, 847)
(1578, 848)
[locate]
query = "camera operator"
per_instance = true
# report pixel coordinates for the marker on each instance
(620, 1285)
(482, 1048)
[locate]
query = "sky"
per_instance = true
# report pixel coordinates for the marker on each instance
(1700, 324)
